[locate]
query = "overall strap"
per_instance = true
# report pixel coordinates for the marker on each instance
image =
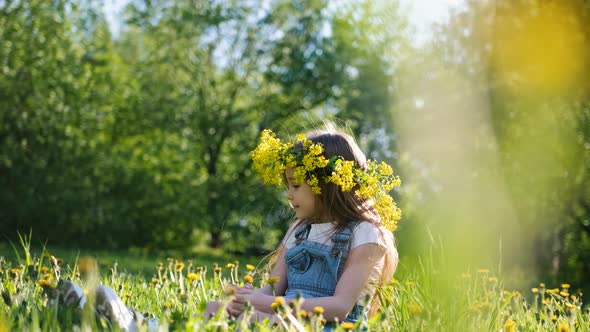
(341, 241)
(301, 233)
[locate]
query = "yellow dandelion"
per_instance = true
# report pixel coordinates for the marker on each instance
(250, 267)
(570, 306)
(230, 266)
(272, 280)
(248, 278)
(492, 279)
(564, 294)
(509, 326)
(217, 270)
(278, 304)
(565, 286)
(167, 305)
(155, 281)
(348, 326)
(193, 276)
(318, 310)
(45, 284)
(179, 266)
(44, 269)
(535, 290)
(563, 327)
(542, 285)
(230, 289)
(483, 271)
(15, 271)
(546, 301)
(303, 313)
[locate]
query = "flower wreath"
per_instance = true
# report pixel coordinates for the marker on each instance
(271, 157)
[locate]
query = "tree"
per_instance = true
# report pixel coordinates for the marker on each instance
(53, 111)
(232, 72)
(149, 134)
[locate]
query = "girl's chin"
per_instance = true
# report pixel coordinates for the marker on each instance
(300, 216)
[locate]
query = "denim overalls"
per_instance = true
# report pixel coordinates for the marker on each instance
(313, 268)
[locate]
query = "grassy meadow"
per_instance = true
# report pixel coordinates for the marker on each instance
(175, 290)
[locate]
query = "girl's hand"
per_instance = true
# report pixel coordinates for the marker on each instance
(241, 296)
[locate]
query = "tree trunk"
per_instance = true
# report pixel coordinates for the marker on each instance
(215, 239)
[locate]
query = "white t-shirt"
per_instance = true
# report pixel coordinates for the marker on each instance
(365, 232)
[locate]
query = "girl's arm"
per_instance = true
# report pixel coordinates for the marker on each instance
(355, 276)
(280, 271)
(265, 296)
(262, 298)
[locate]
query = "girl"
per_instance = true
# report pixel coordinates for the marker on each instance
(339, 245)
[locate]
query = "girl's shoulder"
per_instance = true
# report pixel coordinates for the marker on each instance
(367, 232)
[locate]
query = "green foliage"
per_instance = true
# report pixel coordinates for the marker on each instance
(53, 111)
(143, 140)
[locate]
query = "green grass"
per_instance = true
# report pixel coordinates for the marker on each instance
(176, 289)
(135, 261)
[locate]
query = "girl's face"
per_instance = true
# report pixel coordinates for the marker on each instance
(300, 196)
